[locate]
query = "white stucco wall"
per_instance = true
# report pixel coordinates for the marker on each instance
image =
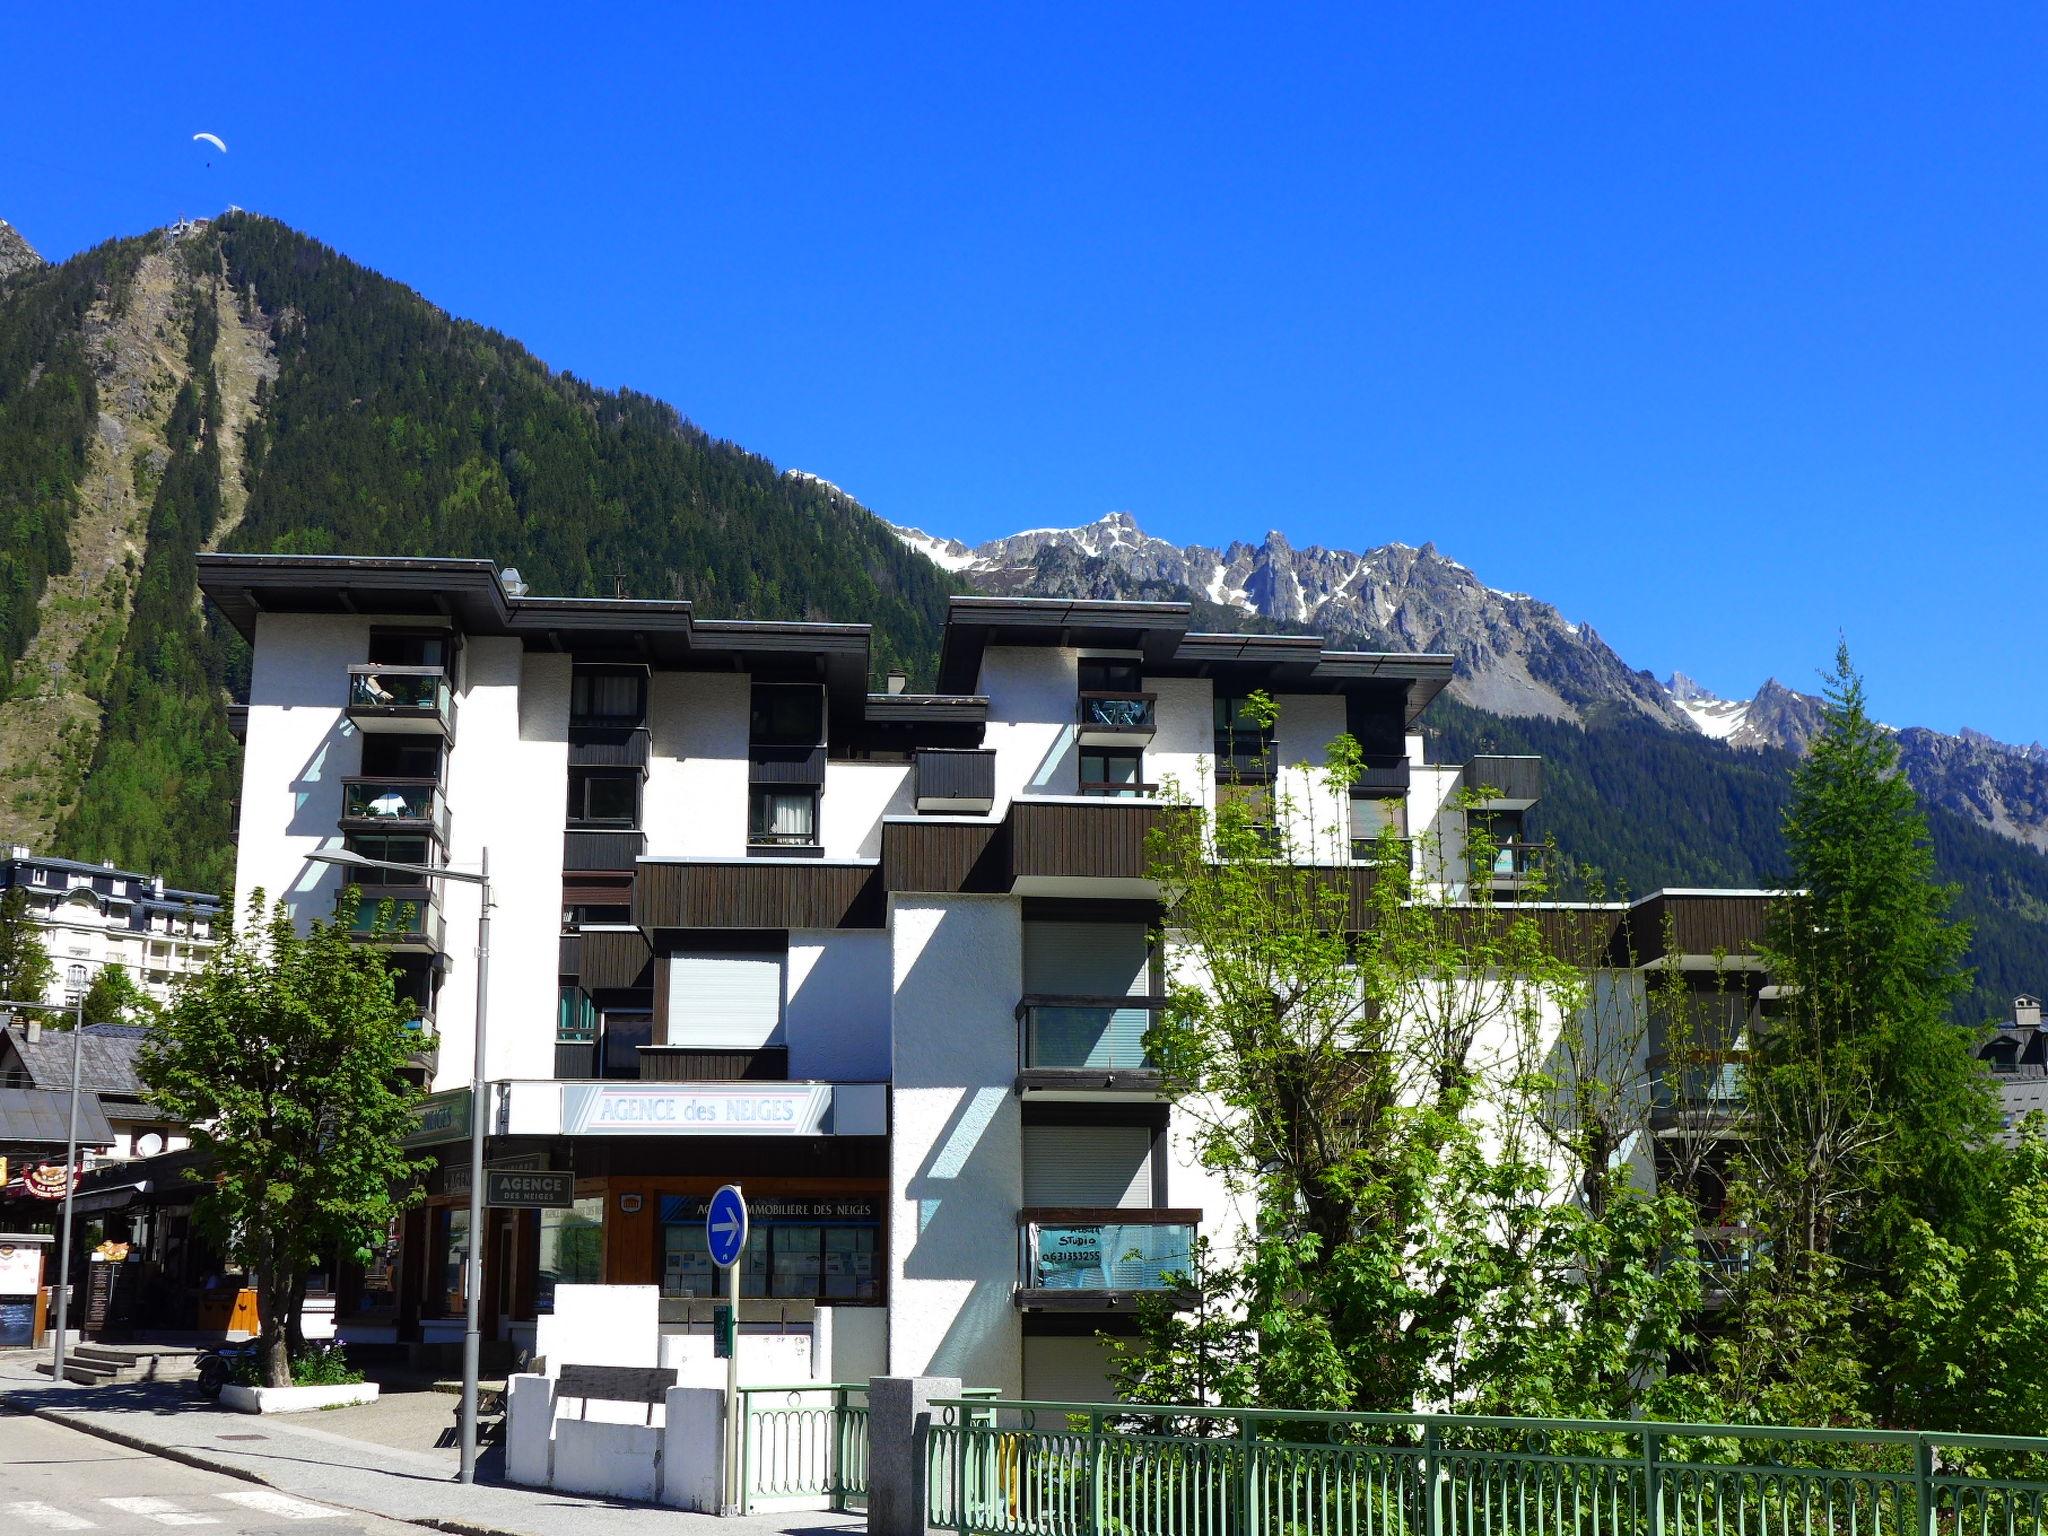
(695, 801)
(1438, 826)
(1319, 820)
(1183, 745)
(1032, 694)
(857, 796)
(837, 1006)
(956, 1176)
(300, 745)
(507, 789)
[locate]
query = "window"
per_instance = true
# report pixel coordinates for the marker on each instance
(1241, 745)
(74, 985)
(400, 757)
(625, 1031)
(587, 914)
(604, 798)
(730, 1002)
(451, 1259)
(571, 1249)
(1112, 771)
(1370, 819)
(607, 698)
(400, 648)
(397, 850)
(819, 1249)
(783, 817)
(1099, 675)
(787, 715)
(39, 877)
(575, 1017)
(1243, 809)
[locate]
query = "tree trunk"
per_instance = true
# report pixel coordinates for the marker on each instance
(273, 1348)
(295, 1317)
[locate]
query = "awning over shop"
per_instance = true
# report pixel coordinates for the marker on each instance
(41, 1115)
(118, 1197)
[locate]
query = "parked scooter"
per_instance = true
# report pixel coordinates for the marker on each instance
(217, 1365)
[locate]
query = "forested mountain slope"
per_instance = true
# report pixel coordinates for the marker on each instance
(371, 422)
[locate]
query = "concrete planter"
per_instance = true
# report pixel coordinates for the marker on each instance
(295, 1399)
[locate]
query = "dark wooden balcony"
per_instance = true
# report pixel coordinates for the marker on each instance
(405, 700)
(1114, 718)
(962, 781)
(602, 848)
(1383, 781)
(1505, 783)
(608, 746)
(785, 765)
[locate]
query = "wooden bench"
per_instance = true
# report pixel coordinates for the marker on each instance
(648, 1384)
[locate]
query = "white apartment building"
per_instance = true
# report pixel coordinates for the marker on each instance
(884, 959)
(89, 916)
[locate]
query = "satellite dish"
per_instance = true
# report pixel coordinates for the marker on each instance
(149, 1143)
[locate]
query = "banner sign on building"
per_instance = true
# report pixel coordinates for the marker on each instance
(47, 1182)
(523, 1190)
(765, 1210)
(440, 1117)
(652, 1109)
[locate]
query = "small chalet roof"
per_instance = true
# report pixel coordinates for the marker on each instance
(107, 1060)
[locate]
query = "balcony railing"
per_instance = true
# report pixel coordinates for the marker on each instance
(1109, 789)
(1704, 1086)
(955, 779)
(1095, 1033)
(403, 699)
(1397, 854)
(608, 848)
(394, 805)
(1092, 1256)
(402, 919)
(1387, 781)
(1512, 864)
(1106, 715)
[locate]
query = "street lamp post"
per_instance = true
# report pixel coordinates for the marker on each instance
(63, 1286)
(472, 1341)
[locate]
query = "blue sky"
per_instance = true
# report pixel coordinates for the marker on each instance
(1722, 328)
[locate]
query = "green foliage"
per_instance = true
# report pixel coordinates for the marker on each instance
(49, 407)
(1868, 1155)
(115, 998)
(284, 1055)
(25, 969)
(316, 1365)
(1373, 1069)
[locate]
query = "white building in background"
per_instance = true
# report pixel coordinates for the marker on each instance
(884, 959)
(89, 916)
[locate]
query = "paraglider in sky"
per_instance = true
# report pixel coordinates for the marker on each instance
(211, 138)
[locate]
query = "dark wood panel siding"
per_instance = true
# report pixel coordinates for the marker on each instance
(1515, 778)
(1105, 841)
(1697, 925)
(674, 1064)
(572, 955)
(946, 857)
(614, 959)
(575, 1061)
(601, 849)
(943, 775)
(786, 765)
(758, 894)
(597, 747)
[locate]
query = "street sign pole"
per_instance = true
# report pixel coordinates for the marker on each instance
(725, 1238)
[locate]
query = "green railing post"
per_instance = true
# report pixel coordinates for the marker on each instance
(1432, 1496)
(1094, 1474)
(835, 1451)
(962, 1424)
(1653, 1482)
(1247, 1476)
(1923, 1483)
(746, 1453)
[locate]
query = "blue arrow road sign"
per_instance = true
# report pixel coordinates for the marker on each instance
(725, 1226)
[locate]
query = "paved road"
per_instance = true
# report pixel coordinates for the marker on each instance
(54, 1479)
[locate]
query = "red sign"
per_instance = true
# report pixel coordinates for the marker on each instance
(45, 1183)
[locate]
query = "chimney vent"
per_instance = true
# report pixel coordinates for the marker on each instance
(33, 1031)
(2026, 1012)
(898, 681)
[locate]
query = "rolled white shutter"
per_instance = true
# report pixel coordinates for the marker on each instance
(725, 1002)
(1086, 959)
(1098, 1165)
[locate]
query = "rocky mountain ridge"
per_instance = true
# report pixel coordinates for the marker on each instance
(1516, 654)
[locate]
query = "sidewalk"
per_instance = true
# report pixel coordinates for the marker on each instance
(297, 1455)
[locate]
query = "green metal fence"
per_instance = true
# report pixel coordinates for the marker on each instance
(800, 1444)
(1064, 1469)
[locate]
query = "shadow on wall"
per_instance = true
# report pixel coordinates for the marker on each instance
(1058, 766)
(310, 890)
(952, 1229)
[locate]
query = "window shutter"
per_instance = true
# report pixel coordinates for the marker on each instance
(1098, 1165)
(725, 1002)
(1086, 960)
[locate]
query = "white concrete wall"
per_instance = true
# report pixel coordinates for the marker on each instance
(857, 796)
(1068, 1370)
(836, 1012)
(695, 800)
(1032, 693)
(1438, 826)
(852, 1343)
(956, 1152)
(300, 745)
(1183, 745)
(507, 788)
(1318, 821)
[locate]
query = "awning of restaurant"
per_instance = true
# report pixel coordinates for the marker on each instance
(119, 1197)
(41, 1115)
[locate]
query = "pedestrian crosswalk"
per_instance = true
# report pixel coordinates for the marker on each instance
(192, 1509)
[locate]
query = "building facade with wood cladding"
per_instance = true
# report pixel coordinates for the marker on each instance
(885, 959)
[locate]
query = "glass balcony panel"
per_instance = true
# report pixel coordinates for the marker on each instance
(405, 698)
(1117, 711)
(1086, 1035)
(393, 800)
(1121, 1256)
